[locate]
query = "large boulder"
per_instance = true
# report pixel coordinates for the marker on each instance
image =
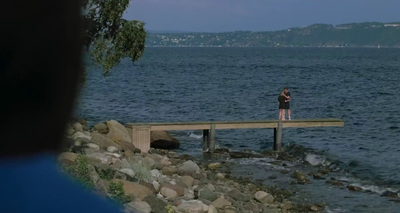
(135, 189)
(103, 141)
(118, 132)
(163, 140)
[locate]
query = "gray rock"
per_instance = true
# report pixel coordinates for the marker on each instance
(212, 209)
(93, 146)
(188, 167)
(163, 140)
(128, 172)
(221, 203)
(239, 196)
(80, 135)
(264, 197)
(117, 132)
(138, 206)
(207, 194)
(300, 177)
(187, 180)
(135, 190)
(157, 205)
(169, 170)
(155, 173)
(168, 193)
(101, 128)
(77, 127)
(192, 206)
(99, 157)
(178, 189)
(103, 141)
(112, 149)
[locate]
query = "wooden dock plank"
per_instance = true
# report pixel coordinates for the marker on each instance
(241, 124)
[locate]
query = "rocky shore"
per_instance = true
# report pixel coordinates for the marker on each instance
(106, 161)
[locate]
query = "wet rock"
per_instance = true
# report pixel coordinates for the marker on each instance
(192, 206)
(213, 166)
(239, 196)
(390, 194)
(315, 208)
(118, 132)
(318, 176)
(300, 177)
(138, 206)
(163, 140)
(221, 202)
(335, 182)
(272, 177)
(245, 155)
(157, 205)
(264, 197)
(354, 188)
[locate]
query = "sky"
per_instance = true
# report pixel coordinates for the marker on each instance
(256, 15)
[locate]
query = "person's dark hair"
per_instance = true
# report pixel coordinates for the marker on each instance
(40, 63)
(285, 88)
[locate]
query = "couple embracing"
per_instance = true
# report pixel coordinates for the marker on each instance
(284, 103)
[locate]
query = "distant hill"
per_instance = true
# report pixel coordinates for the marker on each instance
(368, 34)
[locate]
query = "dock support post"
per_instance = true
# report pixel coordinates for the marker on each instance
(212, 138)
(141, 137)
(278, 137)
(206, 139)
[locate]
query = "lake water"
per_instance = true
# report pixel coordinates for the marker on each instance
(359, 86)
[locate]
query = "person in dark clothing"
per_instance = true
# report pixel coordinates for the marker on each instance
(287, 103)
(40, 64)
(282, 103)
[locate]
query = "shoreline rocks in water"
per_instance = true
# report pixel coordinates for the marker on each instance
(162, 181)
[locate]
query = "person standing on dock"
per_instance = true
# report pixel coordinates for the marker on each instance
(282, 104)
(287, 102)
